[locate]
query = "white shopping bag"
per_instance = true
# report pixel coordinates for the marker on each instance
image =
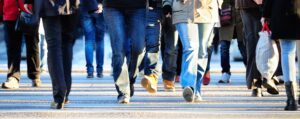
(267, 57)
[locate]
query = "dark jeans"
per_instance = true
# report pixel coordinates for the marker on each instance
(225, 55)
(126, 26)
(153, 30)
(251, 19)
(94, 29)
(60, 39)
(13, 40)
(169, 51)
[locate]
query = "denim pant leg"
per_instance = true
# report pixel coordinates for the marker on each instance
(169, 41)
(206, 35)
(190, 41)
(116, 27)
(53, 30)
(225, 59)
(136, 32)
(153, 29)
(87, 23)
(288, 50)
(100, 31)
(33, 55)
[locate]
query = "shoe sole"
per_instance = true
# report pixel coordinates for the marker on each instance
(170, 90)
(147, 85)
(5, 87)
(221, 81)
(270, 89)
(188, 94)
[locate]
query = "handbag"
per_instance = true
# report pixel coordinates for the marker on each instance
(27, 23)
(226, 16)
(267, 56)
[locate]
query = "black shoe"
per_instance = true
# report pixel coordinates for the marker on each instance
(99, 75)
(257, 92)
(291, 90)
(277, 80)
(131, 90)
(55, 105)
(90, 75)
(271, 87)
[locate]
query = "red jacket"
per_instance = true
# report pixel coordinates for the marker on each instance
(10, 10)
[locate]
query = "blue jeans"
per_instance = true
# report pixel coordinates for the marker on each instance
(288, 55)
(152, 41)
(195, 39)
(126, 26)
(94, 29)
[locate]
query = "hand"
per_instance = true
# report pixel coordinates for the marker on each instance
(100, 9)
(183, 1)
(167, 10)
(262, 21)
(26, 7)
(258, 2)
(168, 15)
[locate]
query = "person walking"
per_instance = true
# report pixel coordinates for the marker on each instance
(194, 20)
(94, 30)
(285, 21)
(251, 14)
(13, 39)
(126, 21)
(230, 28)
(59, 21)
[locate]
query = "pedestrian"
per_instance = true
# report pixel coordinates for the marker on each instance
(126, 21)
(94, 30)
(194, 20)
(59, 21)
(153, 35)
(284, 21)
(230, 28)
(13, 39)
(251, 15)
(169, 51)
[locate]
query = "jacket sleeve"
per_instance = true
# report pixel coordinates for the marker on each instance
(167, 2)
(90, 5)
(267, 8)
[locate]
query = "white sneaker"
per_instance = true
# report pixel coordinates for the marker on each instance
(225, 78)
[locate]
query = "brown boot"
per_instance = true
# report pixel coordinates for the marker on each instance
(169, 86)
(149, 82)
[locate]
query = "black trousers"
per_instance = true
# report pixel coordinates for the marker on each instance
(59, 33)
(251, 20)
(13, 41)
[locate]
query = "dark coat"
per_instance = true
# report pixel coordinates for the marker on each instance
(53, 7)
(243, 4)
(89, 5)
(128, 4)
(284, 20)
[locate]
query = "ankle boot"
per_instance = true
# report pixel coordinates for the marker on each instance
(291, 91)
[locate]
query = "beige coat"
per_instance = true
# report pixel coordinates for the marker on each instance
(194, 11)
